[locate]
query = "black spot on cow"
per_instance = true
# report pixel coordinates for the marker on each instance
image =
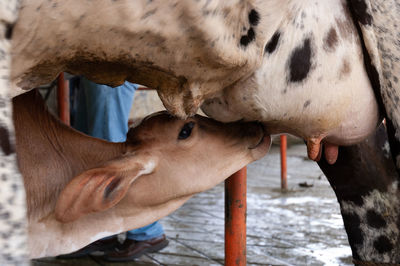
(396, 99)
(5, 142)
(9, 31)
(306, 104)
(383, 244)
(300, 62)
(11, 200)
(254, 17)
(8, 257)
(331, 40)
(246, 39)
(17, 225)
(5, 235)
(359, 9)
(4, 215)
(273, 43)
(251, 34)
(375, 220)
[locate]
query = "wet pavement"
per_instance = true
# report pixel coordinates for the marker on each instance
(300, 227)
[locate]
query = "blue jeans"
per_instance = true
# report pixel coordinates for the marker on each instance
(102, 111)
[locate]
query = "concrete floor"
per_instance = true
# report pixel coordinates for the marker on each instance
(300, 227)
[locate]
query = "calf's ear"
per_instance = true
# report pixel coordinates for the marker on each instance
(101, 188)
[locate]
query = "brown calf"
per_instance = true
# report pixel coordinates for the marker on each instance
(80, 188)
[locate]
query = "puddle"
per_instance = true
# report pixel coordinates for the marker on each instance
(327, 256)
(300, 200)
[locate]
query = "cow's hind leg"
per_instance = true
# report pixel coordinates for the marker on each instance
(366, 184)
(13, 250)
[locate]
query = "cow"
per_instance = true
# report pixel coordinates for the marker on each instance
(80, 188)
(196, 52)
(228, 68)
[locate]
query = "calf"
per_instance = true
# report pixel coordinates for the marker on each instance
(80, 188)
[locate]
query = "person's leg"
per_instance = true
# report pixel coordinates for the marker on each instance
(146, 232)
(150, 238)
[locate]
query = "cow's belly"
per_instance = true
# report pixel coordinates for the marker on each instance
(341, 112)
(313, 84)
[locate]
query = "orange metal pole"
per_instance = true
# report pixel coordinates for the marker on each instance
(283, 163)
(235, 219)
(63, 99)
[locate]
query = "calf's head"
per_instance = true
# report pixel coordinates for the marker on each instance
(164, 159)
(80, 188)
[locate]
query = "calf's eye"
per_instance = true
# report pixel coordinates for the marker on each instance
(186, 130)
